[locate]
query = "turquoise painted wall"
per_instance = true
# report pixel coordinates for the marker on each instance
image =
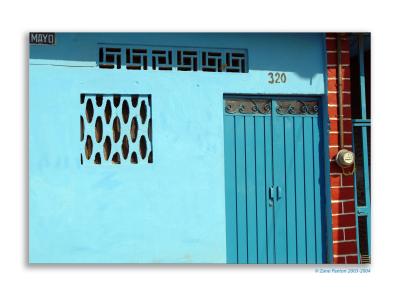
(174, 209)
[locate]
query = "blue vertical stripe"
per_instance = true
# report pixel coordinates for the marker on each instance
(241, 189)
(309, 188)
(317, 191)
(279, 184)
(230, 188)
(268, 183)
(300, 200)
(251, 190)
(290, 191)
(261, 191)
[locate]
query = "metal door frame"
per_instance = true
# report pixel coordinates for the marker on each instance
(325, 165)
(363, 123)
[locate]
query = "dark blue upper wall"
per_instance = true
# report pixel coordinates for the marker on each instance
(300, 53)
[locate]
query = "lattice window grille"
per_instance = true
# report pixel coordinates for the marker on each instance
(162, 59)
(179, 59)
(235, 62)
(211, 61)
(116, 129)
(110, 58)
(136, 59)
(187, 60)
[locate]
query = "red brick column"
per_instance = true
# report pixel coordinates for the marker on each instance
(342, 187)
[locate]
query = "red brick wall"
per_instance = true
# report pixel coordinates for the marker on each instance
(342, 187)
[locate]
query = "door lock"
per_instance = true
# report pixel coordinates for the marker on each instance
(279, 193)
(271, 196)
(274, 196)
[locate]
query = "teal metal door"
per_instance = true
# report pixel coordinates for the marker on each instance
(274, 198)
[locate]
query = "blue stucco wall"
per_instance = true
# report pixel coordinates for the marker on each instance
(174, 209)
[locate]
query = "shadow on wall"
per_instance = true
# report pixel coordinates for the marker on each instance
(301, 53)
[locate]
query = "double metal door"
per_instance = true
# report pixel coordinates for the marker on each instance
(273, 177)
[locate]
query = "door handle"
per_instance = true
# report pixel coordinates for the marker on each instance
(279, 192)
(271, 196)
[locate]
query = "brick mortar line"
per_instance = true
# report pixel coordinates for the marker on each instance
(336, 119)
(335, 92)
(344, 227)
(342, 200)
(336, 132)
(335, 65)
(331, 38)
(335, 78)
(337, 146)
(342, 214)
(345, 241)
(335, 51)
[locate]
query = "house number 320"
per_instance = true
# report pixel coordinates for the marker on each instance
(276, 77)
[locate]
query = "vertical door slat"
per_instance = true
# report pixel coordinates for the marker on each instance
(261, 191)
(300, 202)
(309, 188)
(317, 192)
(290, 191)
(251, 190)
(241, 189)
(230, 187)
(279, 182)
(268, 183)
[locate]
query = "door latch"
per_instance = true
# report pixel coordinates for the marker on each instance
(274, 196)
(271, 196)
(279, 193)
